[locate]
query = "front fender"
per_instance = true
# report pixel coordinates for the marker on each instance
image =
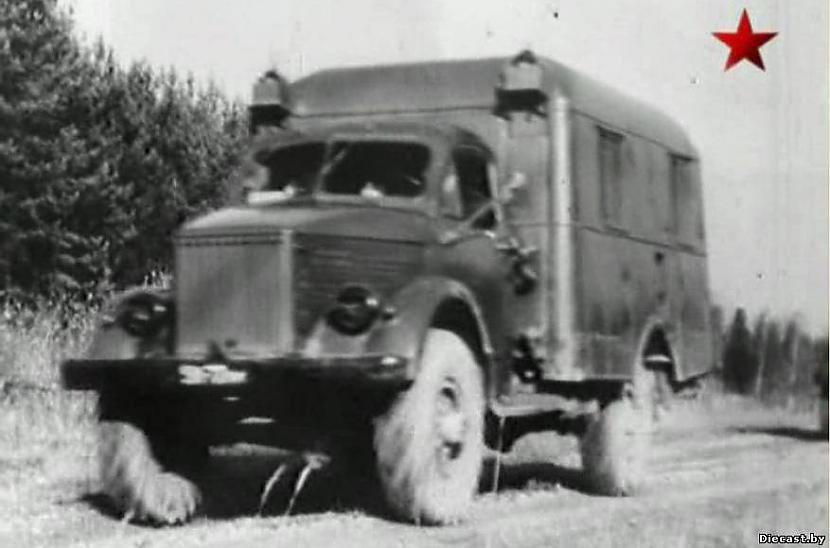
(403, 335)
(416, 307)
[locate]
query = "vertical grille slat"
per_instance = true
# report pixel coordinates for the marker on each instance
(229, 293)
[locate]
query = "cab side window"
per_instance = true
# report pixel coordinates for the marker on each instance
(450, 197)
(474, 185)
(611, 179)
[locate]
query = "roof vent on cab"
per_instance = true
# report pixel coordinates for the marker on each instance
(521, 84)
(271, 102)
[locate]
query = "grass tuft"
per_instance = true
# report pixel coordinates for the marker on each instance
(45, 431)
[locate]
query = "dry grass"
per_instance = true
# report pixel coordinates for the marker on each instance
(46, 433)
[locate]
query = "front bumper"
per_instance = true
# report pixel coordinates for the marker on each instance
(175, 374)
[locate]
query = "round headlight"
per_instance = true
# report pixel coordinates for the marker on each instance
(354, 311)
(143, 316)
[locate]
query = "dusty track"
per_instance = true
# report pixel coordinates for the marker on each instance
(721, 474)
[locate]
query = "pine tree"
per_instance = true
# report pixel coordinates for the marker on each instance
(98, 164)
(740, 360)
(43, 158)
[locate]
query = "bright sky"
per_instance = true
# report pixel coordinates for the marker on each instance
(763, 136)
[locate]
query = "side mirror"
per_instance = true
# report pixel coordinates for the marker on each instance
(517, 181)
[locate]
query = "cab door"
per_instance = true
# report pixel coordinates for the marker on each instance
(474, 248)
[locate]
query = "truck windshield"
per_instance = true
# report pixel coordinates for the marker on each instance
(369, 169)
(374, 169)
(293, 170)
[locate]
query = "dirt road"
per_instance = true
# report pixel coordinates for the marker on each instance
(721, 475)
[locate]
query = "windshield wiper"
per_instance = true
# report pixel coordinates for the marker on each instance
(333, 162)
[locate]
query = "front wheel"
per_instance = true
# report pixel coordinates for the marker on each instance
(142, 463)
(429, 444)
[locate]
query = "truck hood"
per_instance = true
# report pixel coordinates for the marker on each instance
(349, 221)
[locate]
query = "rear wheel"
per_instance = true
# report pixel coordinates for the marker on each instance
(146, 464)
(429, 444)
(615, 445)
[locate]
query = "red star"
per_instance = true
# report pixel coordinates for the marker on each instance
(744, 44)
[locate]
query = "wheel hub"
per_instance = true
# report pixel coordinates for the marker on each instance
(450, 424)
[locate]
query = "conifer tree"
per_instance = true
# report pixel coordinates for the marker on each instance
(98, 163)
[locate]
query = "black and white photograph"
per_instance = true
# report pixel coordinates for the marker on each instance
(437, 273)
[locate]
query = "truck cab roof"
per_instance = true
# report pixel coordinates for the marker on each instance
(472, 84)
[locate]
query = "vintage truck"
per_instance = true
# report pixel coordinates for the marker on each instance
(429, 258)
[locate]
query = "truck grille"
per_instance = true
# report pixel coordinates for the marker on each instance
(326, 264)
(234, 293)
(239, 293)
